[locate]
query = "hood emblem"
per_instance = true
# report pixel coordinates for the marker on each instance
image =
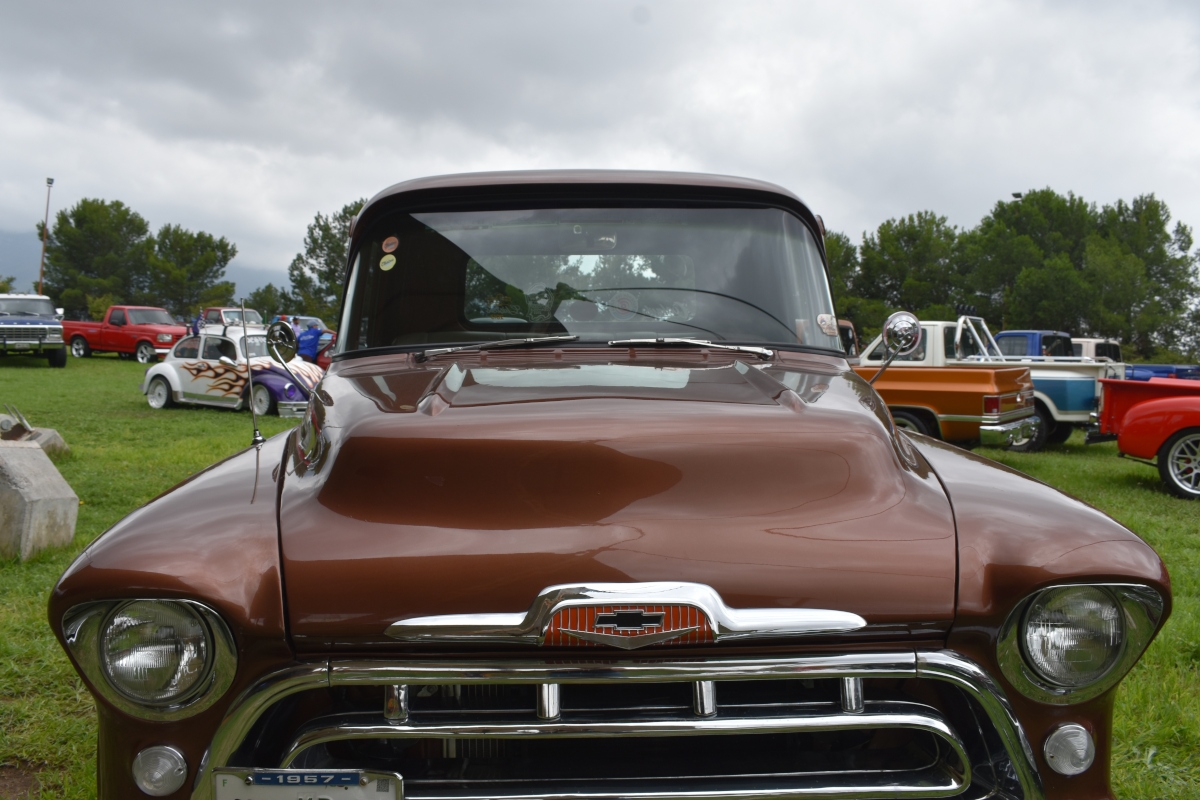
(626, 616)
(628, 628)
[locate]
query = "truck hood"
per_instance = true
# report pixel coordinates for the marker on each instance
(471, 487)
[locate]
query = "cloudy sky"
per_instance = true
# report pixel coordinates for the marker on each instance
(245, 119)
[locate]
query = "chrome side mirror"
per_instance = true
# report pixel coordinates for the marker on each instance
(901, 336)
(902, 333)
(227, 361)
(281, 342)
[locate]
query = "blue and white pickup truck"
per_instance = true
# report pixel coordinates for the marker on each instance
(31, 325)
(1107, 348)
(1066, 389)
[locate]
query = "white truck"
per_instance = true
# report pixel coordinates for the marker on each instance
(1066, 388)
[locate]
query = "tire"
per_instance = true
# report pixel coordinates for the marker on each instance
(264, 401)
(145, 353)
(1038, 440)
(1062, 431)
(907, 420)
(57, 358)
(158, 394)
(1179, 463)
(80, 348)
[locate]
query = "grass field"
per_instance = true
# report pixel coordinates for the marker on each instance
(124, 453)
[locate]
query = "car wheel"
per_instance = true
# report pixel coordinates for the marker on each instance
(158, 395)
(1034, 443)
(1179, 463)
(145, 353)
(80, 347)
(264, 401)
(1060, 434)
(57, 358)
(907, 420)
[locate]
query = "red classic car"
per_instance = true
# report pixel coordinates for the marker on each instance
(1157, 421)
(590, 505)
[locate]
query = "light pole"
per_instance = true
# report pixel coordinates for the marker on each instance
(45, 232)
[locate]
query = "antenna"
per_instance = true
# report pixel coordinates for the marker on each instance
(257, 439)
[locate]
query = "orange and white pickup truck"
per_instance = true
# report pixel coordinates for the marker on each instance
(140, 332)
(966, 404)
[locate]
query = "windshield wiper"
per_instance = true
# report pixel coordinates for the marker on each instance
(493, 345)
(761, 352)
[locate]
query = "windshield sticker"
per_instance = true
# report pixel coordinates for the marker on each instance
(387, 262)
(390, 244)
(828, 324)
(623, 306)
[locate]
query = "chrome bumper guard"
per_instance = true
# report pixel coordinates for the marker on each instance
(1008, 433)
(292, 409)
(1012, 754)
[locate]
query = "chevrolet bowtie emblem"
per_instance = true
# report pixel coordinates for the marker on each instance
(636, 620)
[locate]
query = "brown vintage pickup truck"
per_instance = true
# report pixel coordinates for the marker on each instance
(590, 505)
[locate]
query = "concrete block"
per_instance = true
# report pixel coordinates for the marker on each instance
(49, 440)
(37, 507)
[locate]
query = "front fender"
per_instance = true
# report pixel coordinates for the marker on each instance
(1150, 423)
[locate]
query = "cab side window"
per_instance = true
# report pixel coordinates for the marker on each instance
(188, 348)
(1009, 345)
(213, 317)
(117, 317)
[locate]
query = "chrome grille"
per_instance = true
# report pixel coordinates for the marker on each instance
(876, 725)
(22, 333)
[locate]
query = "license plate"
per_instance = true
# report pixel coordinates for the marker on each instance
(306, 784)
(20, 345)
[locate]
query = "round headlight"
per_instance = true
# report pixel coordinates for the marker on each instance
(155, 651)
(1073, 635)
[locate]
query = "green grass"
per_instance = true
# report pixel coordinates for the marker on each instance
(124, 453)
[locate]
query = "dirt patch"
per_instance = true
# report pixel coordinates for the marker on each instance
(18, 782)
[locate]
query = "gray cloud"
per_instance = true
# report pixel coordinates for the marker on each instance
(246, 119)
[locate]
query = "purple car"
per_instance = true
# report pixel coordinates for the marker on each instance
(210, 369)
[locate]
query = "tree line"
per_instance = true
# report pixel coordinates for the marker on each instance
(1040, 261)
(101, 252)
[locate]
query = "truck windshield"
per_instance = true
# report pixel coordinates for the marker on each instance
(150, 316)
(26, 307)
(736, 275)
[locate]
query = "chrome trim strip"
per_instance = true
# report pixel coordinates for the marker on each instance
(82, 631)
(862, 665)
(530, 627)
(944, 665)
(881, 715)
(1142, 607)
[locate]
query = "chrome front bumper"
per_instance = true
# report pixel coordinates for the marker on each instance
(1008, 433)
(855, 712)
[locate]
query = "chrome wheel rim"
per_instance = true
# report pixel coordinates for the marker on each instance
(145, 354)
(1184, 463)
(262, 399)
(157, 396)
(77, 348)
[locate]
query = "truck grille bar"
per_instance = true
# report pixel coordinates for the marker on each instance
(778, 728)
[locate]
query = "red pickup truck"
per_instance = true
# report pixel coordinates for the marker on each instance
(140, 332)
